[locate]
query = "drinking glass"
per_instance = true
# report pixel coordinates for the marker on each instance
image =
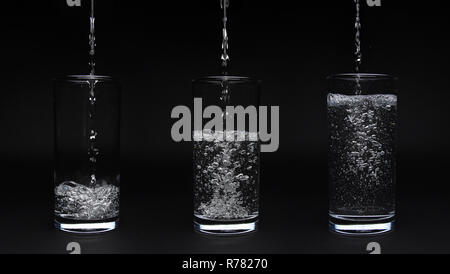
(226, 160)
(87, 153)
(362, 118)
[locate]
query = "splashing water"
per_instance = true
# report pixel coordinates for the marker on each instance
(78, 202)
(358, 54)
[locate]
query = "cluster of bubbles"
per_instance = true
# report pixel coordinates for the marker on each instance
(362, 152)
(79, 202)
(226, 176)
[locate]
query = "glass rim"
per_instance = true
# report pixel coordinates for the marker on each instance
(361, 77)
(84, 77)
(216, 79)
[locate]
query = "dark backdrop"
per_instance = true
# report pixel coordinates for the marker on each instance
(155, 48)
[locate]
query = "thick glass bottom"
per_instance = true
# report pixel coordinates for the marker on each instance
(86, 227)
(224, 228)
(361, 225)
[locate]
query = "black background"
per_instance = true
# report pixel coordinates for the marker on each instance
(155, 49)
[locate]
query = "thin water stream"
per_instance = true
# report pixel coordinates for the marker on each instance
(358, 54)
(93, 151)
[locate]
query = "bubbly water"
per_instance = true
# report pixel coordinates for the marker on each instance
(226, 178)
(362, 154)
(80, 202)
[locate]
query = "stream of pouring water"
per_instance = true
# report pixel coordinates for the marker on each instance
(225, 58)
(92, 39)
(358, 54)
(224, 4)
(93, 151)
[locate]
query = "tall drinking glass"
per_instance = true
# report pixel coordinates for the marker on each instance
(226, 161)
(362, 116)
(87, 153)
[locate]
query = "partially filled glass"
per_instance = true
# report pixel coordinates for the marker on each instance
(226, 162)
(87, 153)
(362, 116)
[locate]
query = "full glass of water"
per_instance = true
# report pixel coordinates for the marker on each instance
(226, 160)
(362, 117)
(87, 153)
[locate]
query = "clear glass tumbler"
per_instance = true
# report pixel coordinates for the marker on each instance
(226, 161)
(362, 116)
(87, 153)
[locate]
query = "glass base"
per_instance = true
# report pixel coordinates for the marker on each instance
(86, 227)
(224, 228)
(361, 225)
